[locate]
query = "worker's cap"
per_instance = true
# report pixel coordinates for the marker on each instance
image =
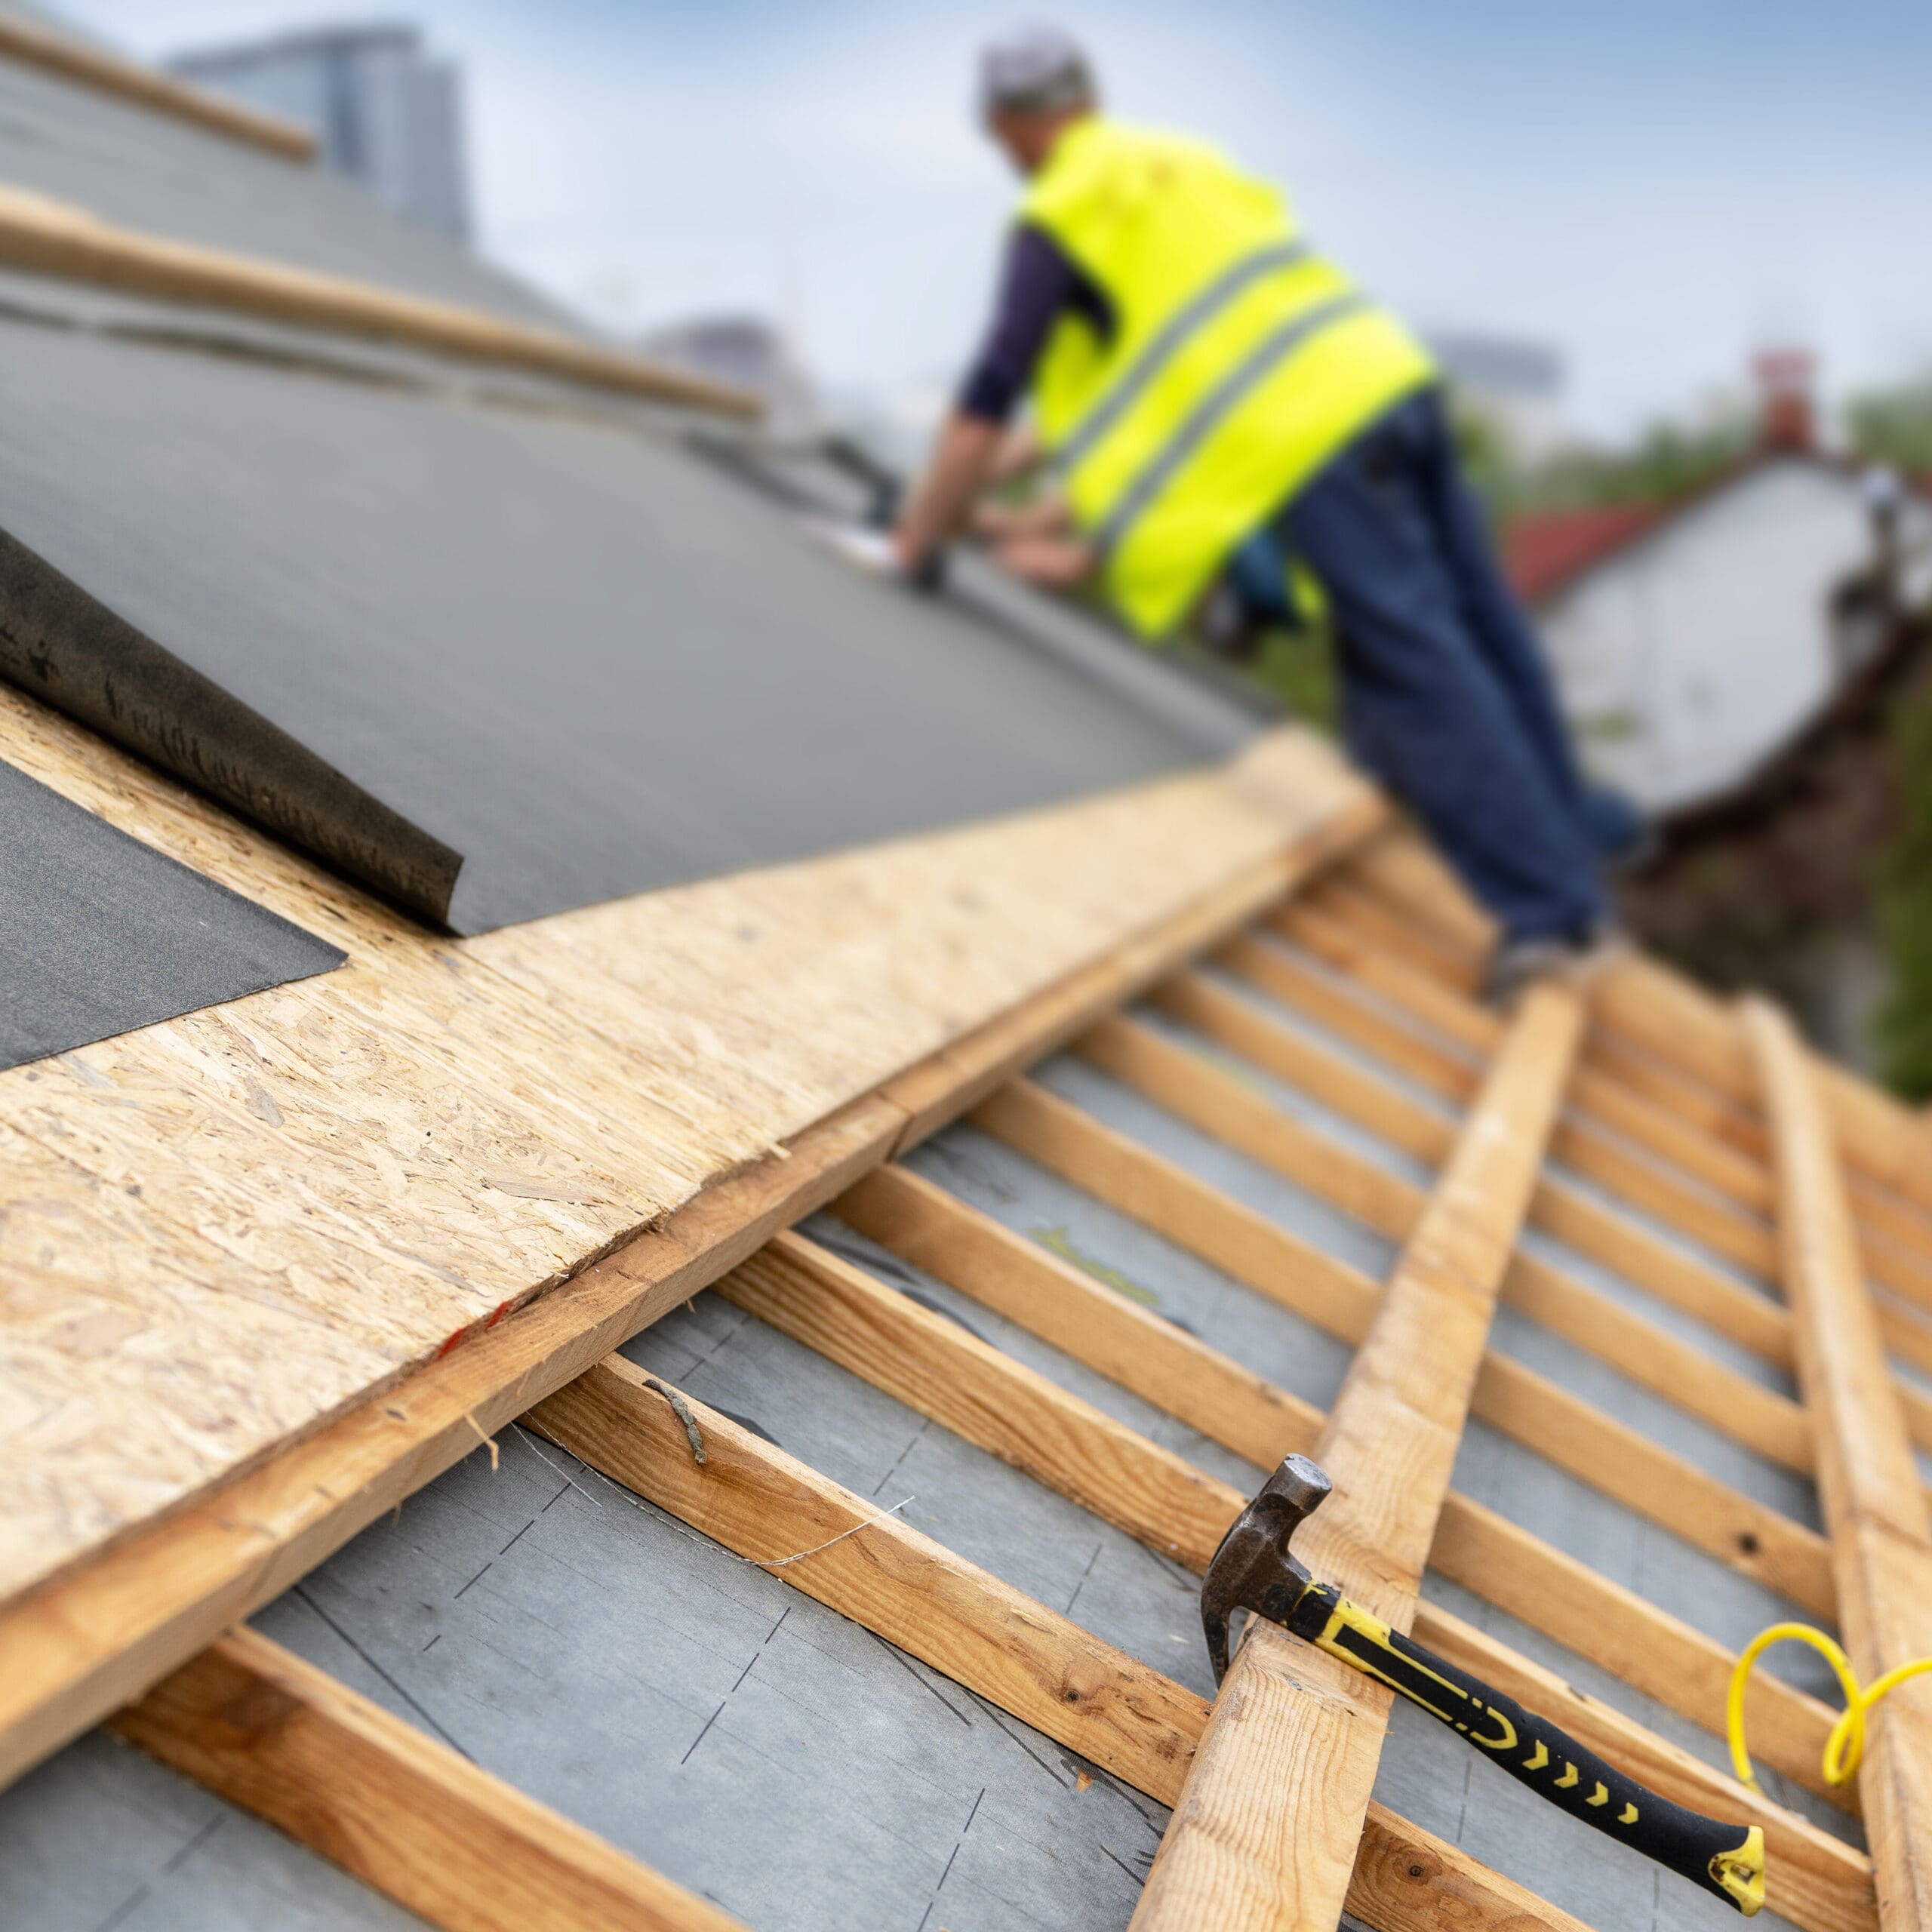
(1036, 70)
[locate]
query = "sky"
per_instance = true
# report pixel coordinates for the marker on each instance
(1656, 188)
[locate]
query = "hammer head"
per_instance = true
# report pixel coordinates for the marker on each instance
(1252, 1569)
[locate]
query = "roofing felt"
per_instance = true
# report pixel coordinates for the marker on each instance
(569, 658)
(127, 164)
(99, 933)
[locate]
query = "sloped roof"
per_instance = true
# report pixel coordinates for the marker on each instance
(1544, 554)
(276, 1271)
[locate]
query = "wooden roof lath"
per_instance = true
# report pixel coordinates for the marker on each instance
(1275, 1823)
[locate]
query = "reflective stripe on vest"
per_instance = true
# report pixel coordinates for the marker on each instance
(1175, 336)
(1241, 360)
(1214, 408)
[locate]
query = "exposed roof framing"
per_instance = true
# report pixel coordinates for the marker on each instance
(93, 66)
(118, 1624)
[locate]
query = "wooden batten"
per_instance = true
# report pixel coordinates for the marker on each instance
(1266, 1832)
(1032, 1662)
(1874, 1505)
(668, 1076)
(1219, 1105)
(404, 1813)
(96, 68)
(983, 1395)
(45, 236)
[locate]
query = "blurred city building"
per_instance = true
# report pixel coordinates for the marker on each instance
(387, 112)
(1517, 384)
(1691, 638)
(743, 351)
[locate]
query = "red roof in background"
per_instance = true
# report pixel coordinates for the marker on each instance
(1542, 554)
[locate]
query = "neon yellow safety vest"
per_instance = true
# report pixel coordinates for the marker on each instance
(1240, 362)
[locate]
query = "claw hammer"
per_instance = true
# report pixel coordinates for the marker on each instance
(1254, 1570)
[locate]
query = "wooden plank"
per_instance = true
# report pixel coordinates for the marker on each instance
(1667, 1015)
(45, 236)
(1659, 1268)
(652, 1035)
(1678, 1278)
(934, 1366)
(1874, 1506)
(1596, 1093)
(1228, 1404)
(402, 1812)
(943, 1086)
(70, 1654)
(1765, 1421)
(1341, 1301)
(1050, 1298)
(1624, 1633)
(97, 67)
(1030, 1661)
(1265, 1835)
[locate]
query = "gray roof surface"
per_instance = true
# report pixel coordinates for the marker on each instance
(99, 933)
(702, 1714)
(146, 170)
(568, 654)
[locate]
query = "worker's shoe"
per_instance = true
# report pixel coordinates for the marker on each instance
(1573, 959)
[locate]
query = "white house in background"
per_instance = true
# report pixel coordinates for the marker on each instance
(1689, 641)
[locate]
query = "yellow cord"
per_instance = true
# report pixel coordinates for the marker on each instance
(1846, 1745)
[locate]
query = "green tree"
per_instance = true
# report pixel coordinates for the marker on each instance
(1895, 426)
(1905, 911)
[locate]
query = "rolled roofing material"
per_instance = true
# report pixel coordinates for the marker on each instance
(99, 933)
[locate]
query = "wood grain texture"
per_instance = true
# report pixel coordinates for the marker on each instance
(1670, 1020)
(72, 1652)
(1220, 1105)
(1660, 1268)
(1676, 1278)
(1875, 1507)
(935, 1368)
(1032, 1662)
(404, 1813)
(218, 1232)
(1188, 1379)
(1050, 1298)
(1265, 1836)
(96, 67)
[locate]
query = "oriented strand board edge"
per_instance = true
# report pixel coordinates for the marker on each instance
(72, 1651)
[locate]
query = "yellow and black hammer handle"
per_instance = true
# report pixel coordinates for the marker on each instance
(1727, 1860)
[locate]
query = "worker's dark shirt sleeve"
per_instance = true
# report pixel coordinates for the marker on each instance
(1038, 284)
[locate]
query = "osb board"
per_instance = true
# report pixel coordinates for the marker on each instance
(217, 1231)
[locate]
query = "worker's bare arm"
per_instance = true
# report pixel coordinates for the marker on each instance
(962, 464)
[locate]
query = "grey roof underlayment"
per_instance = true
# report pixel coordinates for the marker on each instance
(141, 169)
(568, 657)
(99, 933)
(492, 644)
(702, 1714)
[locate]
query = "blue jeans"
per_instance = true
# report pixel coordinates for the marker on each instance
(1445, 695)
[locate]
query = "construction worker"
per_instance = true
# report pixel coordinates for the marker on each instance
(1201, 377)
